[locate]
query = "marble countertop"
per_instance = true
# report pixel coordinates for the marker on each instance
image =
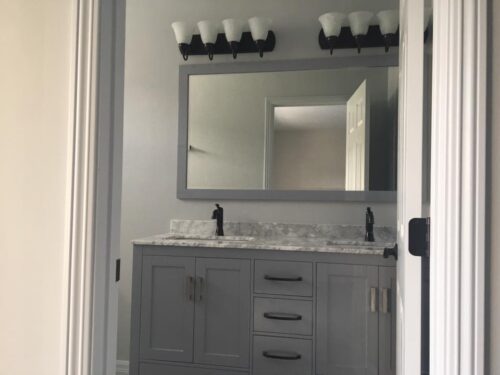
(269, 243)
(325, 238)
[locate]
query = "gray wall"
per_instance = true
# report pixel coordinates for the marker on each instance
(306, 159)
(150, 139)
(493, 200)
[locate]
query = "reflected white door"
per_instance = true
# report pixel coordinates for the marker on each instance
(357, 144)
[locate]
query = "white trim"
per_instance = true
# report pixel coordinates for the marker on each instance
(95, 188)
(410, 174)
(458, 188)
(122, 367)
(82, 194)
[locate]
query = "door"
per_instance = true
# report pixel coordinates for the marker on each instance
(387, 321)
(357, 139)
(167, 313)
(347, 320)
(410, 165)
(222, 321)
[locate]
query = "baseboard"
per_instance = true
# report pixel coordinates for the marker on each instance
(121, 367)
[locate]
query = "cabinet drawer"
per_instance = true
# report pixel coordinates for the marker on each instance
(286, 278)
(164, 369)
(276, 356)
(283, 316)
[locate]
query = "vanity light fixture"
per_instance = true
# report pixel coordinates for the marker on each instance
(208, 32)
(360, 34)
(259, 28)
(388, 23)
(331, 24)
(183, 35)
(232, 39)
(359, 22)
(233, 29)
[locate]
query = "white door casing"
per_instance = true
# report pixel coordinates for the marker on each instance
(458, 179)
(357, 139)
(409, 184)
(96, 187)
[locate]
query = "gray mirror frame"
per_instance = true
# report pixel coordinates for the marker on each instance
(185, 71)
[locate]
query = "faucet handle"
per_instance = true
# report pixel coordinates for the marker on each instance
(370, 218)
(218, 214)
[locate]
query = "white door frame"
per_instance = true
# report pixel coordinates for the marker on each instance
(457, 207)
(410, 174)
(271, 102)
(95, 198)
(458, 179)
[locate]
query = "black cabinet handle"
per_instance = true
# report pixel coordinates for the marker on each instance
(282, 316)
(275, 354)
(280, 278)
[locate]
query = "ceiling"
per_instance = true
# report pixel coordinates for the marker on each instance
(310, 117)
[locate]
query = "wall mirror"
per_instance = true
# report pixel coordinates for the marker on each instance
(296, 130)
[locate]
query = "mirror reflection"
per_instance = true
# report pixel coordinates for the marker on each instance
(293, 130)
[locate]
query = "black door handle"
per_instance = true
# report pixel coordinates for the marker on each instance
(278, 354)
(282, 316)
(419, 237)
(281, 278)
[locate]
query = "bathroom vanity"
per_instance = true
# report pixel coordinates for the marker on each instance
(267, 299)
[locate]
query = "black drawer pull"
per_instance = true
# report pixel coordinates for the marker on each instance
(276, 354)
(282, 316)
(281, 278)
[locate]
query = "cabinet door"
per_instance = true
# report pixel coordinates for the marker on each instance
(347, 320)
(387, 321)
(167, 312)
(222, 317)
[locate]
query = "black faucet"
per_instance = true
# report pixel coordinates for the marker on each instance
(218, 215)
(370, 220)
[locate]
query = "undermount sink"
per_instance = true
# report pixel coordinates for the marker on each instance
(175, 236)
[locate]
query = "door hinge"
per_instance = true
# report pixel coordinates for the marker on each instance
(419, 237)
(117, 269)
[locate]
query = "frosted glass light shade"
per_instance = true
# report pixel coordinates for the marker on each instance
(208, 31)
(259, 27)
(359, 22)
(233, 28)
(427, 17)
(388, 21)
(183, 32)
(332, 23)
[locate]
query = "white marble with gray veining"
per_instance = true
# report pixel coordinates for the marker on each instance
(280, 230)
(346, 239)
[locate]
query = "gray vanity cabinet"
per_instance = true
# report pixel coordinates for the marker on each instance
(222, 313)
(387, 321)
(196, 310)
(347, 320)
(356, 325)
(167, 308)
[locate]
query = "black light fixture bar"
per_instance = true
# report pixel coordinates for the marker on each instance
(222, 47)
(372, 39)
